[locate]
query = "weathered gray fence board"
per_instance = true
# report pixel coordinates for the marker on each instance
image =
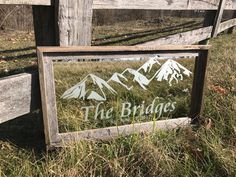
(233, 15)
(75, 22)
(226, 25)
(189, 37)
(19, 95)
(218, 18)
(162, 4)
(209, 19)
(27, 2)
(192, 37)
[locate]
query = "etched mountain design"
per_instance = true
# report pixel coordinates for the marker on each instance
(93, 87)
(137, 77)
(81, 91)
(120, 79)
(171, 70)
(147, 66)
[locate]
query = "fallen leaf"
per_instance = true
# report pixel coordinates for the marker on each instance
(2, 61)
(218, 89)
(33, 62)
(5, 146)
(11, 39)
(208, 124)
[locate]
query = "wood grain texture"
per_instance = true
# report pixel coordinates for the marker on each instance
(218, 18)
(47, 90)
(227, 25)
(230, 30)
(162, 4)
(19, 95)
(109, 49)
(113, 132)
(27, 2)
(186, 38)
(75, 22)
(209, 19)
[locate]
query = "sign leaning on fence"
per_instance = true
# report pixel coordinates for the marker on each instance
(104, 92)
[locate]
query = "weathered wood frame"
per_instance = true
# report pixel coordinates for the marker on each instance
(47, 85)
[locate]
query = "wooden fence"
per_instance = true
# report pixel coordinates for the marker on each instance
(68, 23)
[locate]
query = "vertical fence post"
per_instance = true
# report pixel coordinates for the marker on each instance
(209, 18)
(200, 73)
(218, 18)
(213, 18)
(198, 86)
(45, 25)
(75, 22)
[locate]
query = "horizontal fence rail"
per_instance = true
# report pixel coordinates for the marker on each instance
(226, 25)
(162, 4)
(192, 37)
(189, 37)
(27, 2)
(19, 95)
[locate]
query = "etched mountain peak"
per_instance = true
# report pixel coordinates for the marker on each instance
(80, 90)
(171, 70)
(116, 77)
(142, 80)
(147, 66)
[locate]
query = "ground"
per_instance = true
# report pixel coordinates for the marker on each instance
(208, 150)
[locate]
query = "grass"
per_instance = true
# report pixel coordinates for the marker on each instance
(209, 150)
(17, 52)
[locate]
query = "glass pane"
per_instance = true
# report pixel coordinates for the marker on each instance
(101, 93)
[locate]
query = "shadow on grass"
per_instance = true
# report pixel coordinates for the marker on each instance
(145, 31)
(29, 69)
(17, 50)
(148, 33)
(25, 132)
(25, 56)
